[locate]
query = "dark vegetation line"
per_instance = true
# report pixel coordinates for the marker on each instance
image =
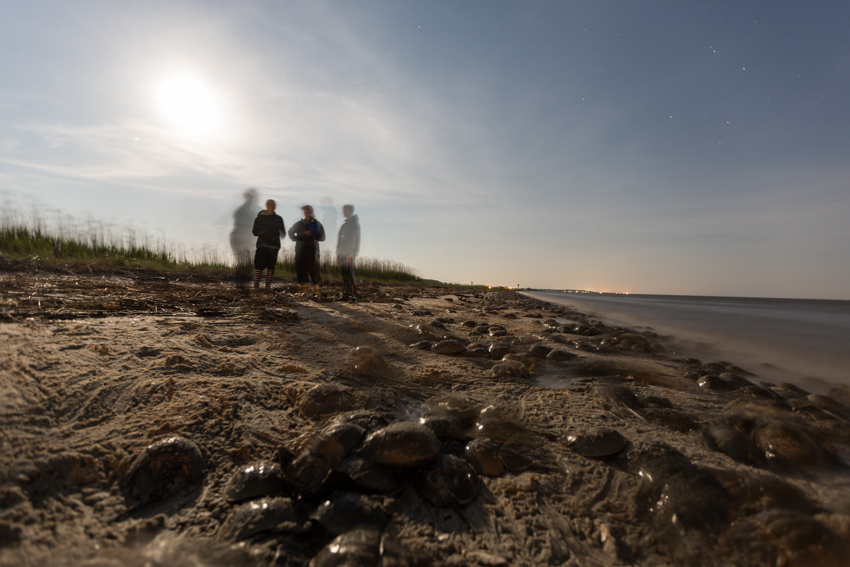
(34, 242)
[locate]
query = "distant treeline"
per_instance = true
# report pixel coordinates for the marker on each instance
(34, 239)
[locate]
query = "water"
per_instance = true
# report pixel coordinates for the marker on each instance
(803, 341)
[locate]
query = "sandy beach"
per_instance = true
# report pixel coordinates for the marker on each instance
(154, 422)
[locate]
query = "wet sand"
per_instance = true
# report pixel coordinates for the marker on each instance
(628, 461)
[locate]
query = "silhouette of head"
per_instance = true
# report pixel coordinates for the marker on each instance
(271, 206)
(347, 210)
(308, 211)
(250, 195)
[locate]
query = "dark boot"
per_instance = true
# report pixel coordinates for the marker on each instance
(257, 274)
(345, 295)
(353, 294)
(269, 276)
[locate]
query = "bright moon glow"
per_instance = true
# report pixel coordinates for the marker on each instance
(189, 104)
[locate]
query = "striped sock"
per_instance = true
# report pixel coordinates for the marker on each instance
(257, 278)
(269, 276)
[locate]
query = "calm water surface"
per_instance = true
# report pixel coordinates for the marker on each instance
(803, 341)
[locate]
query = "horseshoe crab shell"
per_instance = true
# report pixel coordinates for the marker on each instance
(402, 444)
(164, 468)
(600, 442)
(449, 481)
(253, 480)
(367, 548)
(344, 511)
(264, 515)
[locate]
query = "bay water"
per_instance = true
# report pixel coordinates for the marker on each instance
(802, 341)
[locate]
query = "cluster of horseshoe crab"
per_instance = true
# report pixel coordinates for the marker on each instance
(332, 481)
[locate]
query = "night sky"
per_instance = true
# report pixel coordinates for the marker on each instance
(643, 147)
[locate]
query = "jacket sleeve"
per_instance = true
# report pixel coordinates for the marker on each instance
(291, 232)
(356, 244)
(257, 229)
(321, 237)
(282, 228)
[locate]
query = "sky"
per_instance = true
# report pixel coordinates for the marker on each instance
(694, 148)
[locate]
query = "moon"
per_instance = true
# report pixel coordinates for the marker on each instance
(188, 104)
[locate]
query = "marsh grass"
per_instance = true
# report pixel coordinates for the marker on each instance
(48, 240)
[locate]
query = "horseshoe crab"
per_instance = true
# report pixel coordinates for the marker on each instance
(454, 407)
(600, 442)
(687, 503)
(164, 468)
(443, 426)
(787, 443)
(491, 459)
(540, 350)
(264, 515)
(735, 444)
(367, 476)
(559, 355)
(318, 454)
(402, 444)
(344, 511)
(449, 481)
(367, 548)
(448, 346)
(783, 537)
(509, 369)
(253, 480)
(324, 399)
(499, 350)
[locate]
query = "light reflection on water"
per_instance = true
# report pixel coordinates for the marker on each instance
(806, 342)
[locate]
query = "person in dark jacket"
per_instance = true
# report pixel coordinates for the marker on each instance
(268, 226)
(307, 233)
(347, 248)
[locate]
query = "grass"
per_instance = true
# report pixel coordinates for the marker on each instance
(32, 239)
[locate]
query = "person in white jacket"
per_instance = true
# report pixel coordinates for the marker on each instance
(347, 248)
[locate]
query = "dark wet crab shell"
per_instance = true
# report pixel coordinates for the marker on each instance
(600, 442)
(443, 426)
(164, 468)
(255, 479)
(402, 444)
(366, 419)
(788, 538)
(449, 481)
(264, 515)
(367, 548)
(735, 444)
(787, 443)
(509, 369)
(454, 407)
(448, 346)
(344, 511)
(321, 453)
(483, 455)
(324, 399)
(368, 476)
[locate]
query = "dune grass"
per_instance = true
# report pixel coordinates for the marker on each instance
(33, 240)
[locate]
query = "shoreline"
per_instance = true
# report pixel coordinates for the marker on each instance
(581, 465)
(780, 342)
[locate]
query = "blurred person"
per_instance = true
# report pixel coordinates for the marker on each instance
(328, 215)
(347, 249)
(241, 239)
(268, 226)
(307, 233)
